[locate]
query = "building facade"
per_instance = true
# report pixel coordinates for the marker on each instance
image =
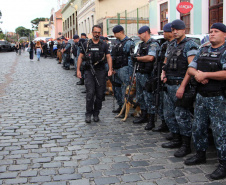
(98, 11)
(198, 20)
(69, 18)
(43, 29)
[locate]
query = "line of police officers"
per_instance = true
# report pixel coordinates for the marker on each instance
(188, 73)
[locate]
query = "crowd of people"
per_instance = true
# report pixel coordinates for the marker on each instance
(191, 83)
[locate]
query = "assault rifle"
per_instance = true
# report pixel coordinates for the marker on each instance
(89, 63)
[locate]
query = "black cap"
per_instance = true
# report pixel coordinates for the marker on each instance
(117, 29)
(75, 37)
(219, 26)
(178, 24)
(102, 37)
(83, 34)
(167, 27)
(143, 29)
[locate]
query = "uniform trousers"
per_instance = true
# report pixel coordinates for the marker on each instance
(213, 109)
(178, 119)
(94, 93)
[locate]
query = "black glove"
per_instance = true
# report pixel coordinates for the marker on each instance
(134, 58)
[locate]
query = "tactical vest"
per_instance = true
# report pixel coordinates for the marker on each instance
(119, 57)
(210, 62)
(145, 67)
(96, 52)
(68, 48)
(177, 64)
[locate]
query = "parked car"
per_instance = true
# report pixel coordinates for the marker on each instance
(5, 46)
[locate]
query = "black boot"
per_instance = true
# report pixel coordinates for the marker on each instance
(185, 148)
(117, 110)
(88, 119)
(198, 158)
(220, 172)
(142, 119)
(169, 136)
(162, 128)
(81, 82)
(151, 122)
(174, 143)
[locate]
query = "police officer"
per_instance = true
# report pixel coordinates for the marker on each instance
(75, 51)
(122, 64)
(83, 36)
(66, 55)
(168, 36)
(51, 43)
(209, 70)
(147, 54)
(97, 53)
(178, 55)
(82, 68)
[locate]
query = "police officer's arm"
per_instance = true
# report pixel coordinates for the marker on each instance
(147, 58)
(79, 62)
(163, 74)
(109, 60)
(187, 77)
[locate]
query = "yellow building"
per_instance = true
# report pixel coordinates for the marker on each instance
(43, 29)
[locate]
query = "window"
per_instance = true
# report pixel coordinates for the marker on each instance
(163, 14)
(63, 26)
(45, 25)
(88, 25)
(67, 22)
(70, 22)
(92, 20)
(215, 11)
(186, 18)
(46, 32)
(73, 18)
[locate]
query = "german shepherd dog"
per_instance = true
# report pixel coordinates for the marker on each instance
(131, 102)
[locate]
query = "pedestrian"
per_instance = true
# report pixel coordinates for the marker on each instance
(19, 48)
(31, 50)
(38, 48)
(66, 55)
(209, 69)
(168, 36)
(122, 64)
(45, 49)
(178, 55)
(75, 51)
(146, 58)
(51, 43)
(16, 47)
(97, 51)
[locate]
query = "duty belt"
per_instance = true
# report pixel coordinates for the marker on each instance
(211, 94)
(174, 82)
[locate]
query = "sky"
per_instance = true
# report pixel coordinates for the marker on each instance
(17, 13)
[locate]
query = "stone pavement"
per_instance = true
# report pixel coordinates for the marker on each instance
(44, 139)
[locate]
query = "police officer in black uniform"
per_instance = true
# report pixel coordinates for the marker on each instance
(97, 53)
(169, 37)
(66, 55)
(75, 51)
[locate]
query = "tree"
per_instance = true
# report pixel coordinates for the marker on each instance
(22, 31)
(36, 21)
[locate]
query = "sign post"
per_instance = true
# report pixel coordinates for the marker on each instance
(184, 7)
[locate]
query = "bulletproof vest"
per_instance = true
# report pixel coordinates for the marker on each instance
(119, 57)
(163, 51)
(177, 64)
(145, 67)
(67, 48)
(96, 52)
(210, 62)
(75, 49)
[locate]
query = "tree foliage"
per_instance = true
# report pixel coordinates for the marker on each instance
(36, 21)
(22, 31)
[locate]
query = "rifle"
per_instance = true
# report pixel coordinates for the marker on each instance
(89, 63)
(158, 81)
(134, 70)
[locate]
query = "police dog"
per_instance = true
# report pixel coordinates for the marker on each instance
(131, 102)
(109, 90)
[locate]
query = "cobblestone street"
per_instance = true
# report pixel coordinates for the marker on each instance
(45, 140)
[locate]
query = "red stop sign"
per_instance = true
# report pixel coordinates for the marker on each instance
(184, 7)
